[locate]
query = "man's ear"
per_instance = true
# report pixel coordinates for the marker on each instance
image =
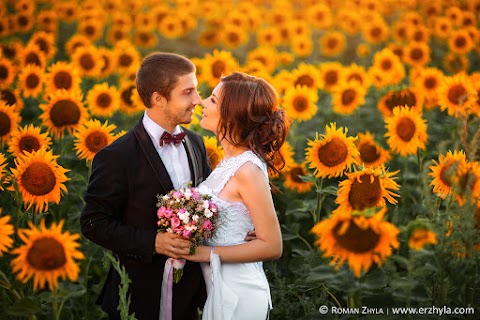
(158, 100)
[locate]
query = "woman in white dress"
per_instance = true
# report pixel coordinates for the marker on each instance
(243, 112)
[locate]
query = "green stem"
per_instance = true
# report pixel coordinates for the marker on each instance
(320, 198)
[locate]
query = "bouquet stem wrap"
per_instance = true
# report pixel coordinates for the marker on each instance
(171, 266)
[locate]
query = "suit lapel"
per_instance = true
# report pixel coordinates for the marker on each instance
(152, 156)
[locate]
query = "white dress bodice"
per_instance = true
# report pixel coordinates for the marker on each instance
(236, 291)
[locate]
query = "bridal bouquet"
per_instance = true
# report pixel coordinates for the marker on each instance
(188, 213)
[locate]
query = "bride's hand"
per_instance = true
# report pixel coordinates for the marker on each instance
(202, 254)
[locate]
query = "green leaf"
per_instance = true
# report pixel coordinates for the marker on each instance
(26, 306)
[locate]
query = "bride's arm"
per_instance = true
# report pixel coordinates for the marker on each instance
(253, 189)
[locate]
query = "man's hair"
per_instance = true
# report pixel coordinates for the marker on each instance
(159, 72)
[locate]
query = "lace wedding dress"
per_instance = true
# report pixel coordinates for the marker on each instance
(236, 291)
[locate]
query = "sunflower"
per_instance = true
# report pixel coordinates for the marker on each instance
(419, 234)
(332, 153)
(47, 255)
(366, 188)
(442, 27)
(118, 33)
(47, 20)
(64, 110)
(171, 27)
(85, 58)
(455, 15)
(456, 95)
(268, 37)
(9, 120)
(332, 43)
(286, 152)
(128, 103)
(362, 50)
(92, 137)
(302, 46)
(371, 155)
(376, 31)
(12, 49)
(455, 63)
(419, 33)
(407, 130)
(103, 100)
(91, 28)
(27, 139)
(445, 170)
(306, 75)
(45, 42)
(127, 55)
(357, 239)
(6, 230)
(3, 165)
(331, 75)
(22, 22)
(467, 182)
(293, 180)
(400, 31)
(31, 80)
(218, 64)
(209, 38)
(348, 21)
(428, 81)
(5, 27)
(347, 97)
(11, 97)
(357, 73)
(416, 54)
(300, 103)
(32, 54)
(67, 11)
(214, 151)
(144, 38)
(391, 68)
(267, 56)
(409, 97)
(109, 61)
(233, 36)
(7, 72)
(320, 16)
(40, 179)
(62, 75)
(460, 41)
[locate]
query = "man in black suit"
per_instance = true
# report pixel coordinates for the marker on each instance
(120, 210)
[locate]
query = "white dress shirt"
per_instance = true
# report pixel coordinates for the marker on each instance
(174, 157)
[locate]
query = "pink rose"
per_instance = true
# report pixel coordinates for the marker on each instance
(161, 212)
(175, 221)
(168, 213)
(187, 233)
(177, 194)
(207, 225)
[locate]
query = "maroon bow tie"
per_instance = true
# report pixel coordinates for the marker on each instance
(167, 138)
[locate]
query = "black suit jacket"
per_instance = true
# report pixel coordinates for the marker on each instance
(120, 215)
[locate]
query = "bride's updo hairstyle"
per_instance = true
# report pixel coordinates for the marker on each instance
(250, 117)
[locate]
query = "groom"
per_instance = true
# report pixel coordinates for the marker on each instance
(120, 201)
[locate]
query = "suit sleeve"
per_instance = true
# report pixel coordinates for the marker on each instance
(105, 200)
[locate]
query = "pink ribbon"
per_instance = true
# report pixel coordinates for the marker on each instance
(167, 287)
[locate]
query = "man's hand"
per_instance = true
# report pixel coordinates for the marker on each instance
(251, 235)
(171, 245)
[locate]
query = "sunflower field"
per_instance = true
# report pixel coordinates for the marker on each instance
(379, 199)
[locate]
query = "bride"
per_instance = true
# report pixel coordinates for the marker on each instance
(243, 112)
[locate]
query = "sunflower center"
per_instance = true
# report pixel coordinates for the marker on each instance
(348, 96)
(295, 173)
(43, 45)
(430, 83)
(5, 124)
(63, 80)
(106, 62)
(365, 193)
(46, 254)
(333, 153)
(376, 32)
(460, 42)
(218, 67)
(355, 239)
(332, 43)
(355, 76)
(38, 179)
(405, 129)
(401, 98)
(89, 30)
(3, 72)
(87, 62)
(416, 54)
(96, 141)
(64, 112)
(125, 60)
(29, 144)
(144, 37)
(32, 81)
(304, 80)
(8, 96)
(233, 37)
(457, 94)
(300, 103)
(331, 77)
(33, 58)
(369, 153)
(126, 95)
(386, 64)
(104, 100)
